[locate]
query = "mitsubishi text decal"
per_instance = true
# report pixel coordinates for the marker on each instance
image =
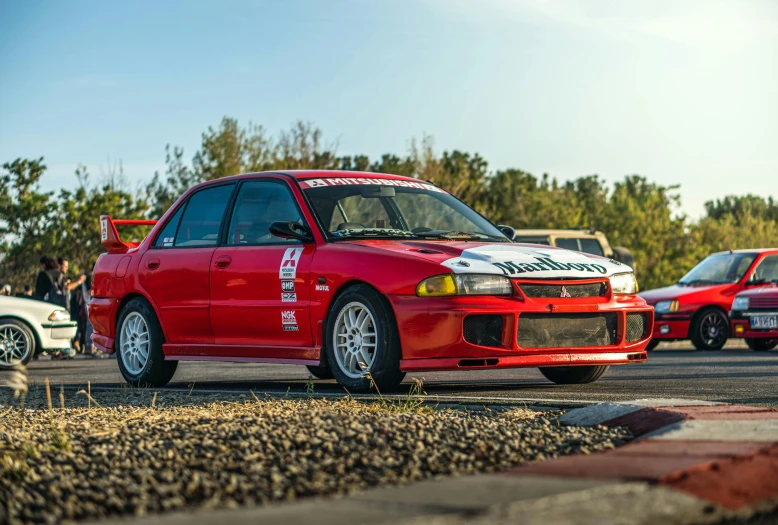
(351, 181)
(289, 262)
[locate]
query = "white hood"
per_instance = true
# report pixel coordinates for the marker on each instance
(533, 262)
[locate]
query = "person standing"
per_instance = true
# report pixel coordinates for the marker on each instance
(43, 283)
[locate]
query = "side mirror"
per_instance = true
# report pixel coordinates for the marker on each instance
(291, 230)
(508, 231)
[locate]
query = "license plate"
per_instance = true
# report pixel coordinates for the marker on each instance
(767, 322)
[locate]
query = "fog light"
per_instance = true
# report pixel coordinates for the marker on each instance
(664, 329)
(739, 328)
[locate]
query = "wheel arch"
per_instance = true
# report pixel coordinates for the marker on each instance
(26, 322)
(136, 295)
(696, 315)
(340, 291)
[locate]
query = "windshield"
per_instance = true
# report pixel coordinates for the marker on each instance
(395, 208)
(719, 269)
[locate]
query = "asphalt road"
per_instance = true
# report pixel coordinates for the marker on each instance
(735, 375)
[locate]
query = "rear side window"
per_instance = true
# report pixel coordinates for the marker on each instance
(203, 217)
(591, 246)
(168, 233)
(568, 244)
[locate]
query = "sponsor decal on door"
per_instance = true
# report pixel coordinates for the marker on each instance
(289, 297)
(287, 286)
(288, 269)
(289, 321)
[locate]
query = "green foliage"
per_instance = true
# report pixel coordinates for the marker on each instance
(633, 212)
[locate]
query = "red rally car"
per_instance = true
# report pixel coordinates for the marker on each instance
(359, 276)
(696, 307)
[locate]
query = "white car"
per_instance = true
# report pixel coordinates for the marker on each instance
(29, 327)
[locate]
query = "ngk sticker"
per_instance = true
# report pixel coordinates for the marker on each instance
(288, 269)
(289, 321)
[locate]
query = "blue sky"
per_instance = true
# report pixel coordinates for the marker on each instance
(683, 92)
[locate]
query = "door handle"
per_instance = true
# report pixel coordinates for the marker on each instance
(152, 264)
(223, 262)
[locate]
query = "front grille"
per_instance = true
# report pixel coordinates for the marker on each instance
(762, 303)
(549, 291)
(484, 330)
(636, 327)
(566, 330)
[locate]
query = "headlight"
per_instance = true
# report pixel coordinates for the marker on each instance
(624, 283)
(465, 284)
(740, 303)
(666, 307)
(59, 315)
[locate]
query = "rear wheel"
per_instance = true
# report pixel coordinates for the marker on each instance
(139, 347)
(709, 330)
(363, 348)
(652, 344)
(17, 343)
(574, 375)
(761, 345)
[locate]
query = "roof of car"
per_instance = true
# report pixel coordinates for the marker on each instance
(749, 250)
(317, 174)
(543, 233)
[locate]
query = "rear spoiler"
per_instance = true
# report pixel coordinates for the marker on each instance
(109, 237)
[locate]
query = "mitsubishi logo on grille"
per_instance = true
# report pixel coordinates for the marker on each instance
(565, 293)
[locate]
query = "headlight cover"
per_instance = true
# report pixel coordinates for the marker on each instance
(59, 316)
(464, 284)
(666, 307)
(740, 303)
(624, 283)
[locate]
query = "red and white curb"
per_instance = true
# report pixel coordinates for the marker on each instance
(726, 455)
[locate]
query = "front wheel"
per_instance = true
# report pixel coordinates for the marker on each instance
(17, 343)
(710, 330)
(139, 347)
(761, 345)
(574, 375)
(363, 347)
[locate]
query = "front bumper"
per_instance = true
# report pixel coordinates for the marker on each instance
(671, 326)
(740, 321)
(432, 333)
(57, 336)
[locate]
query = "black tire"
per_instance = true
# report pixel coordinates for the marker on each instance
(17, 333)
(574, 375)
(385, 368)
(652, 344)
(761, 344)
(701, 333)
(156, 372)
(320, 372)
(623, 255)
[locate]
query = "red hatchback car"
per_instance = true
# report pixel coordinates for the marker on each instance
(361, 277)
(697, 306)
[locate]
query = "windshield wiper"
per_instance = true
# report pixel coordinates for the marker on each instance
(701, 281)
(456, 235)
(371, 232)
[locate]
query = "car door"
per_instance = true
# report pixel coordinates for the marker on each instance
(260, 283)
(175, 271)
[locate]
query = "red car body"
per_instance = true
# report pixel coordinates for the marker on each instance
(762, 302)
(225, 303)
(691, 301)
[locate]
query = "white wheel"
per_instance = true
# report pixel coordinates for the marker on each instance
(135, 343)
(354, 340)
(16, 344)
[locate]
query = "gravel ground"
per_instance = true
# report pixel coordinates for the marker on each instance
(138, 453)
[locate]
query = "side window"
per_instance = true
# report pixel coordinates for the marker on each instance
(260, 204)
(767, 270)
(203, 217)
(591, 246)
(568, 244)
(168, 233)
